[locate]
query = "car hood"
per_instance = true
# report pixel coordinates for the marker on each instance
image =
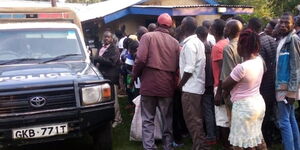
(47, 74)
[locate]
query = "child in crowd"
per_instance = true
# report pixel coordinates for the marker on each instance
(132, 87)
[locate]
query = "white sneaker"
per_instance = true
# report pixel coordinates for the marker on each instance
(115, 124)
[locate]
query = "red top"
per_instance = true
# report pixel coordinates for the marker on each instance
(156, 63)
(217, 55)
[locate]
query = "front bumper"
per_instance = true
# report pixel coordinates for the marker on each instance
(80, 120)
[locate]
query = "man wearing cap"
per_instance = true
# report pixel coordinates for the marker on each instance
(156, 64)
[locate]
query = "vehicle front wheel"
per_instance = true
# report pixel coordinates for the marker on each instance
(103, 137)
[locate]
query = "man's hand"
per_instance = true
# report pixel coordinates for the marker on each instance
(184, 79)
(218, 99)
(179, 86)
(225, 94)
(219, 95)
(290, 101)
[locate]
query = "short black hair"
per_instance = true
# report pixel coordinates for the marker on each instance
(133, 45)
(273, 23)
(126, 42)
(202, 32)
(255, 24)
(297, 21)
(239, 18)
(141, 31)
(207, 24)
(288, 14)
(152, 27)
(218, 27)
(119, 34)
(189, 25)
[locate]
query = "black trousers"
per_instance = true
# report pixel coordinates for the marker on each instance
(208, 111)
(179, 127)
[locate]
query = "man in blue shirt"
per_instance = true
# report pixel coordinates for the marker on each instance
(287, 82)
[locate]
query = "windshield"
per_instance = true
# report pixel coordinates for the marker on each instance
(31, 45)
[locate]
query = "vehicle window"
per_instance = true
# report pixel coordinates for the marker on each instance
(41, 44)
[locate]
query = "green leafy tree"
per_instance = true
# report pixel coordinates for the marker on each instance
(281, 6)
(266, 9)
(262, 8)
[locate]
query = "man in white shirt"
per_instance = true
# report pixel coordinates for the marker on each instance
(121, 37)
(210, 38)
(192, 74)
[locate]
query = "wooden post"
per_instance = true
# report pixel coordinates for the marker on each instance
(53, 3)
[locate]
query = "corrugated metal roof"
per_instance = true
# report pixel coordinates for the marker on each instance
(102, 9)
(213, 5)
(213, 2)
(193, 6)
(185, 10)
(84, 11)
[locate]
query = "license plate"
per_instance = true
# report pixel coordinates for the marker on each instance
(40, 131)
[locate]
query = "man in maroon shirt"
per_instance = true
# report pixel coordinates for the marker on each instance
(156, 64)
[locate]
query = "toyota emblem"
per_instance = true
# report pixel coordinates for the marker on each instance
(37, 101)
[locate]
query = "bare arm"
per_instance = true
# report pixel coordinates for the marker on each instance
(218, 97)
(189, 68)
(236, 75)
(228, 84)
(186, 76)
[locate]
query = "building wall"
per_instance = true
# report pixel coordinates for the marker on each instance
(132, 22)
(173, 2)
(201, 18)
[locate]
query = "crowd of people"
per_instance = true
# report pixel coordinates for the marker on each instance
(226, 81)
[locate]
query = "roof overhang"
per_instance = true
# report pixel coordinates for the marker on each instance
(192, 10)
(187, 10)
(40, 4)
(103, 9)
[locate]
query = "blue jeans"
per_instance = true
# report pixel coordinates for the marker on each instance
(288, 126)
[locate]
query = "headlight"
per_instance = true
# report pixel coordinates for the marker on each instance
(96, 94)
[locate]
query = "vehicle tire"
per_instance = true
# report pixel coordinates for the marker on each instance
(103, 137)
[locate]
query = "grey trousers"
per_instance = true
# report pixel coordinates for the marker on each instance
(148, 107)
(192, 113)
(118, 118)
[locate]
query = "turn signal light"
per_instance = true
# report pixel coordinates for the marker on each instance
(106, 92)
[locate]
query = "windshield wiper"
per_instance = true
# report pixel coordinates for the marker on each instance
(59, 58)
(14, 61)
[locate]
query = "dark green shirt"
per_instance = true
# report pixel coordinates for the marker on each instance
(230, 58)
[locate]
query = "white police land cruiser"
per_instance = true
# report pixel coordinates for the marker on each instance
(49, 89)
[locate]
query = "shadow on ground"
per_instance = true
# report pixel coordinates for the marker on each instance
(120, 138)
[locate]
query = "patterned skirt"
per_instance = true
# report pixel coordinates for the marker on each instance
(247, 118)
